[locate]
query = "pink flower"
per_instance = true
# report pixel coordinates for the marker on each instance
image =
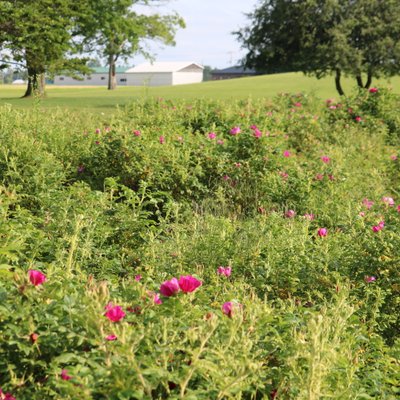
(362, 214)
(137, 133)
(138, 278)
(322, 232)
(161, 139)
(237, 164)
(97, 130)
(230, 308)
(257, 133)
(36, 277)
(373, 90)
(368, 203)
(290, 214)
(325, 159)
(226, 271)
(286, 153)
(157, 299)
(358, 119)
(319, 177)
(254, 127)
(114, 313)
(379, 227)
(64, 375)
(369, 279)
(310, 217)
(393, 157)
(189, 283)
(212, 135)
(398, 208)
(235, 130)
(6, 396)
(388, 201)
(331, 177)
(298, 104)
(111, 338)
(169, 288)
(97, 142)
(220, 141)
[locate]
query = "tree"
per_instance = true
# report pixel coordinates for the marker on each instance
(38, 35)
(117, 30)
(321, 37)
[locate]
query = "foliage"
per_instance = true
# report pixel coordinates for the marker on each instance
(324, 37)
(108, 208)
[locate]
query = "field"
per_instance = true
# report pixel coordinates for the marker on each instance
(183, 247)
(99, 99)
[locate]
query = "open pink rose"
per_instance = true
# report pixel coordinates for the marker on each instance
(169, 288)
(189, 283)
(36, 277)
(114, 313)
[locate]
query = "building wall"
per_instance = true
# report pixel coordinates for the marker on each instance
(149, 78)
(181, 78)
(93, 80)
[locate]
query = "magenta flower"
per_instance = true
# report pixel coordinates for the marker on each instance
(226, 271)
(169, 288)
(161, 139)
(114, 313)
(373, 90)
(369, 279)
(137, 133)
(212, 135)
(235, 130)
(6, 396)
(398, 208)
(322, 232)
(368, 203)
(393, 157)
(36, 277)
(286, 153)
(230, 308)
(358, 119)
(257, 133)
(111, 338)
(325, 159)
(290, 214)
(64, 375)
(138, 278)
(157, 299)
(189, 283)
(97, 130)
(388, 201)
(284, 175)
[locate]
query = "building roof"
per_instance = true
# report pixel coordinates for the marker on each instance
(164, 66)
(235, 70)
(104, 70)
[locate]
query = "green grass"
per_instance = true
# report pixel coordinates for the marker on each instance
(101, 100)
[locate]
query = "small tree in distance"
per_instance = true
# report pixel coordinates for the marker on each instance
(323, 37)
(116, 30)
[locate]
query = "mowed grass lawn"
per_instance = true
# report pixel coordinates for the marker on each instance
(100, 99)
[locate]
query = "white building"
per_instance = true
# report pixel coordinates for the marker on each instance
(164, 74)
(99, 77)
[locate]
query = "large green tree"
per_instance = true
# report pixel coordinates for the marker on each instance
(320, 37)
(117, 30)
(39, 35)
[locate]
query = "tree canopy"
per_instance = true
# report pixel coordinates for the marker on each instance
(322, 37)
(116, 30)
(49, 36)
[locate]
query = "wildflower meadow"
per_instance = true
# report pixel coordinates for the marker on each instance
(242, 249)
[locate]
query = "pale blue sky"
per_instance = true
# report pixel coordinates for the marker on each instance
(207, 38)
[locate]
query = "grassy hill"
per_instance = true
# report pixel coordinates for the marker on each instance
(100, 99)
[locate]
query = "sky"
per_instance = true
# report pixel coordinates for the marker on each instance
(207, 38)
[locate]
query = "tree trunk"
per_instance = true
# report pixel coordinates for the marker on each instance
(359, 81)
(112, 79)
(337, 82)
(36, 84)
(369, 80)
